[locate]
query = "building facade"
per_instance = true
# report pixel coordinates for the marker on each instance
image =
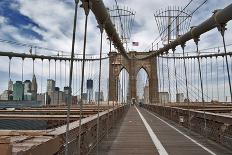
(18, 90)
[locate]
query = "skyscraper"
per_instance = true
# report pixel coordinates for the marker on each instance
(97, 96)
(50, 85)
(27, 86)
(18, 90)
(27, 90)
(34, 88)
(10, 85)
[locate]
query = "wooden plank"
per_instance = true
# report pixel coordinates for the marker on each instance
(128, 137)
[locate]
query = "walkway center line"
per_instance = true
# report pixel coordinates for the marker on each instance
(194, 141)
(154, 138)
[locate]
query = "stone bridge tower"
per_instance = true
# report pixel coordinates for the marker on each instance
(117, 62)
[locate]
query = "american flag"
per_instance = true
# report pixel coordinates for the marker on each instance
(135, 43)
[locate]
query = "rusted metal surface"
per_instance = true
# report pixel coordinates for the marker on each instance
(129, 136)
(218, 127)
(52, 141)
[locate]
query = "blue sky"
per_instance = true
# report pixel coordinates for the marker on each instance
(49, 24)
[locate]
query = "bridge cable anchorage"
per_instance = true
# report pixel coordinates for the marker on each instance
(101, 27)
(70, 80)
(186, 85)
(86, 4)
(196, 40)
(222, 29)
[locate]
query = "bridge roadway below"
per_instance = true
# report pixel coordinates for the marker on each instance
(142, 132)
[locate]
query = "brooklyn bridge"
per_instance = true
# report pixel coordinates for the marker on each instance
(174, 97)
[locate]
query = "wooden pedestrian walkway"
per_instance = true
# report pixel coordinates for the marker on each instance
(141, 132)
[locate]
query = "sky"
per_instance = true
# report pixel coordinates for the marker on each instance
(49, 24)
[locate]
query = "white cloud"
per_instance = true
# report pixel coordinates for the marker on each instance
(55, 17)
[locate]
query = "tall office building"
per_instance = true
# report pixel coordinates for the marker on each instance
(146, 94)
(50, 85)
(27, 90)
(90, 90)
(18, 90)
(27, 86)
(101, 96)
(34, 88)
(10, 85)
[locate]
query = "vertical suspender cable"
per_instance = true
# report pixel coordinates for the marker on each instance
(211, 72)
(86, 6)
(60, 75)
(162, 80)
(22, 67)
(169, 87)
(206, 77)
(159, 77)
(186, 85)
(70, 79)
(222, 29)
(33, 61)
(49, 70)
(191, 76)
(196, 40)
(56, 83)
(217, 78)
(175, 74)
(65, 73)
(76, 78)
(99, 86)
(41, 78)
(224, 80)
(9, 71)
(194, 76)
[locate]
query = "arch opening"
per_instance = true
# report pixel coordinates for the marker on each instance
(123, 86)
(142, 86)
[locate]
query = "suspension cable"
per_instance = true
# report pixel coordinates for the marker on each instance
(217, 79)
(162, 63)
(99, 87)
(224, 80)
(169, 87)
(175, 74)
(186, 85)
(41, 89)
(86, 6)
(49, 69)
(222, 29)
(65, 73)
(196, 40)
(9, 69)
(211, 68)
(22, 67)
(159, 67)
(206, 76)
(70, 81)
(55, 81)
